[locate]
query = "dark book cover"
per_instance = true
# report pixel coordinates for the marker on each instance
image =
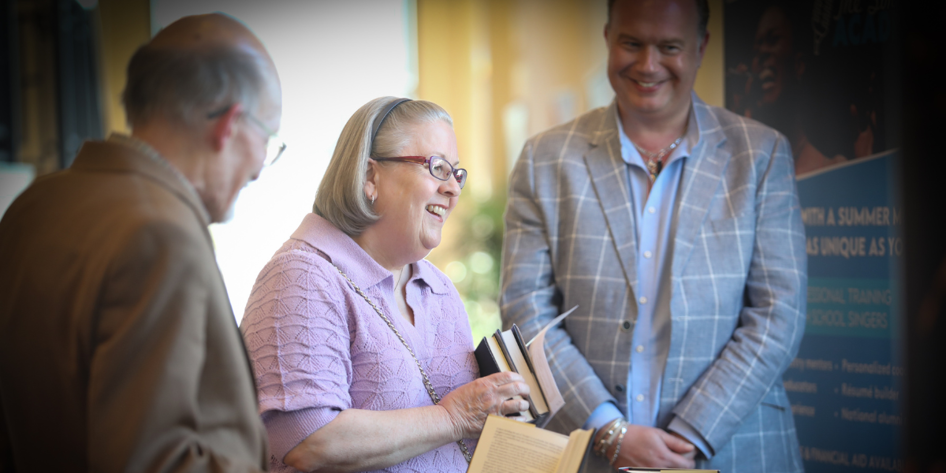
(488, 363)
(484, 358)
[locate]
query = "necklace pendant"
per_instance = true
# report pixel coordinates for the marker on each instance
(653, 169)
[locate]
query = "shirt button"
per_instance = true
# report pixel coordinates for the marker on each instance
(651, 209)
(640, 398)
(640, 348)
(648, 254)
(619, 388)
(643, 300)
(626, 325)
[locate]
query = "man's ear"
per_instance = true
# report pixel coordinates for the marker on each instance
(703, 43)
(224, 126)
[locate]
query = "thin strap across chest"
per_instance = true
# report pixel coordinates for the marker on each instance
(434, 397)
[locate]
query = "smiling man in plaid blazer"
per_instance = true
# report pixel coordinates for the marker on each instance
(676, 229)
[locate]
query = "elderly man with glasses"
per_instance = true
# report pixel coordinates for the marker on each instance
(118, 346)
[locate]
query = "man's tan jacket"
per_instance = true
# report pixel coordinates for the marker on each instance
(118, 346)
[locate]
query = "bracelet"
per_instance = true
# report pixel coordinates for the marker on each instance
(604, 443)
(617, 449)
(616, 431)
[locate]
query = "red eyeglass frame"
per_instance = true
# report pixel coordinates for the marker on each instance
(426, 160)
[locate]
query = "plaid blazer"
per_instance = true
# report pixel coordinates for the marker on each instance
(738, 282)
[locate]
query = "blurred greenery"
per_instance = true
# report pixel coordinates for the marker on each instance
(476, 274)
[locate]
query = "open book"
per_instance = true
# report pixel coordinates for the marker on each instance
(511, 446)
(506, 351)
(637, 469)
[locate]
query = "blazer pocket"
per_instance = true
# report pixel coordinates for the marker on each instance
(728, 229)
(733, 238)
(776, 398)
(724, 220)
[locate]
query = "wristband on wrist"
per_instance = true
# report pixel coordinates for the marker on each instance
(604, 443)
(617, 449)
(615, 431)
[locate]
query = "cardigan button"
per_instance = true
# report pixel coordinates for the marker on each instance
(626, 325)
(619, 388)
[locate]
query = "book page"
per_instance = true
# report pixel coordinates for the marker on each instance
(500, 360)
(508, 446)
(553, 397)
(535, 393)
(632, 469)
(504, 366)
(551, 324)
(575, 452)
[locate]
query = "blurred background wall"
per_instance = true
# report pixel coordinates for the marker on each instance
(504, 69)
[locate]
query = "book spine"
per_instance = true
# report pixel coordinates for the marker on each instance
(525, 354)
(502, 346)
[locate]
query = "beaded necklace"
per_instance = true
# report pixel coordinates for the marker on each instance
(654, 160)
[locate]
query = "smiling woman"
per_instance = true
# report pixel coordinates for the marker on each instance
(362, 349)
(414, 201)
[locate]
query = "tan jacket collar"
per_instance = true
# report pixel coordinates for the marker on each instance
(119, 157)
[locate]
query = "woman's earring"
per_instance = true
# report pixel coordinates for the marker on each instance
(373, 198)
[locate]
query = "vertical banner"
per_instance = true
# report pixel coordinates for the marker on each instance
(845, 383)
(824, 73)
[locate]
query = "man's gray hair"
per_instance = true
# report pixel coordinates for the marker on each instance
(185, 85)
(341, 196)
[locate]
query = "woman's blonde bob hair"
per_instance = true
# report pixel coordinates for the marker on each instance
(341, 196)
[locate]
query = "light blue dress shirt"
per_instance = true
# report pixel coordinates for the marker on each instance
(653, 214)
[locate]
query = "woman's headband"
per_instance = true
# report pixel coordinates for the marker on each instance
(384, 114)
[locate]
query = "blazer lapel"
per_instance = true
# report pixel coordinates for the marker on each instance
(702, 176)
(608, 173)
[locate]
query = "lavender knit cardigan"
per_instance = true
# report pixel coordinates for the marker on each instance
(317, 347)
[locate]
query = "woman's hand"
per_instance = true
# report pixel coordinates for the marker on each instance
(469, 404)
(359, 440)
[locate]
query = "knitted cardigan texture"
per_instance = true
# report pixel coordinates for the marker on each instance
(318, 348)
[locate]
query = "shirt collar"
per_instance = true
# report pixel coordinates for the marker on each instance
(424, 271)
(343, 252)
(149, 151)
(690, 140)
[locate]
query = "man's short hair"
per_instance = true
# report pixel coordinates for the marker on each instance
(702, 12)
(341, 196)
(184, 85)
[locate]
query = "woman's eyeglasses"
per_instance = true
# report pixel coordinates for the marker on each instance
(438, 167)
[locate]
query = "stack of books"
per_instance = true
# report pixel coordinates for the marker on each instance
(518, 443)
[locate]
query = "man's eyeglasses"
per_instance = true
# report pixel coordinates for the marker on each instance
(438, 167)
(275, 146)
